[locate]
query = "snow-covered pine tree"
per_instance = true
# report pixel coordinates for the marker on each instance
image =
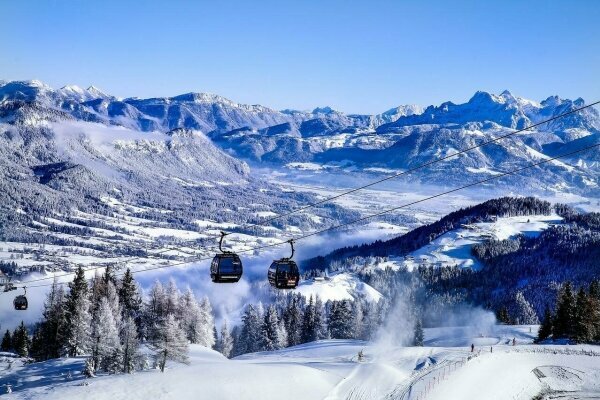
(238, 344)
(107, 350)
(129, 296)
(225, 341)
(172, 295)
(293, 321)
(419, 336)
(188, 314)
(341, 323)
(250, 334)
(309, 328)
(282, 335)
(88, 368)
(77, 316)
(112, 297)
(196, 319)
(170, 343)
(129, 343)
(154, 312)
(523, 313)
(207, 324)
(357, 317)
(270, 332)
(320, 319)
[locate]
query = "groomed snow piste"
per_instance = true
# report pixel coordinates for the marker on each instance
(330, 369)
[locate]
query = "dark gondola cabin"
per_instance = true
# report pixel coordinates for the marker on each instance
(227, 266)
(284, 273)
(20, 302)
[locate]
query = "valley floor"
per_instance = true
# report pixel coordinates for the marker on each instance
(443, 369)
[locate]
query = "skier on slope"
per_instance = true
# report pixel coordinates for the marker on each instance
(472, 347)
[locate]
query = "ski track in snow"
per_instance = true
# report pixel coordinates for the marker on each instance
(330, 370)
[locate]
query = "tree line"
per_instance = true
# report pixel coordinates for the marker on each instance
(292, 320)
(107, 321)
(576, 316)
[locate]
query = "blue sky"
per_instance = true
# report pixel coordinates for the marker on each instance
(354, 56)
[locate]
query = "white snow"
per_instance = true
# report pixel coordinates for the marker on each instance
(329, 369)
(454, 248)
(342, 286)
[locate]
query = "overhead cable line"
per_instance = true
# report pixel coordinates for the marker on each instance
(492, 178)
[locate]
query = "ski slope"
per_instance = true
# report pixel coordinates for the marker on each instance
(443, 369)
(454, 247)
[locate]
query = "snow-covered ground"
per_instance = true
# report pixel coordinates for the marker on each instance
(454, 248)
(343, 286)
(443, 369)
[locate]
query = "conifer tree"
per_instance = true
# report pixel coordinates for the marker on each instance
(77, 316)
(358, 319)
(293, 321)
(320, 319)
(6, 341)
(594, 298)
(50, 332)
(225, 342)
(419, 336)
(20, 340)
(341, 323)
(108, 352)
(129, 296)
(206, 323)
(564, 322)
(250, 334)
(584, 329)
(503, 316)
(129, 343)
(309, 326)
(172, 295)
(523, 313)
(270, 330)
(282, 335)
(154, 313)
(171, 343)
(545, 330)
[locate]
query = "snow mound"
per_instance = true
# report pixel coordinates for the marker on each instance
(342, 286)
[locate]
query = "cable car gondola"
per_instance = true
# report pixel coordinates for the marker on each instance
(20, 302)
(227, 266)
(283, 273)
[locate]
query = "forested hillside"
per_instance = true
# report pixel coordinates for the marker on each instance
(419, 237)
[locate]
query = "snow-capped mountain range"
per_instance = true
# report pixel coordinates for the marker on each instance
(399, 138)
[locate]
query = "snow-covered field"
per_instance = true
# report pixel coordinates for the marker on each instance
(330, 369)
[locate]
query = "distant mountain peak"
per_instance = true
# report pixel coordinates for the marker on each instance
(95, 91)
(325, 110)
